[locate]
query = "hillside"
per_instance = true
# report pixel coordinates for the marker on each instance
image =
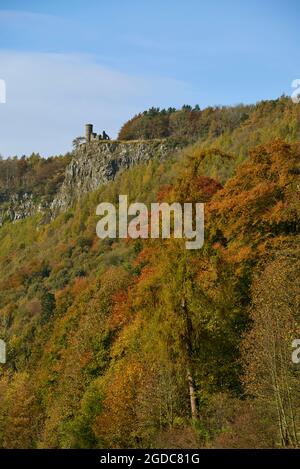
(142, 343)
(232, 128)
(28, 185)
(34, 184)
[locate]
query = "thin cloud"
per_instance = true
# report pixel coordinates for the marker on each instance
(51, 96)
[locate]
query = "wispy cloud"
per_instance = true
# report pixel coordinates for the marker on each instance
(51, 96)
(29, 19)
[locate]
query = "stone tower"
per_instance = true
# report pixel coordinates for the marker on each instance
(88, 132)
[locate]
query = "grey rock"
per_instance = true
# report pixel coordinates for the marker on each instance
(92, 165)
(96, 163)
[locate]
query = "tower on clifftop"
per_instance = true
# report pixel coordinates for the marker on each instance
(88, 132)
(91, 136)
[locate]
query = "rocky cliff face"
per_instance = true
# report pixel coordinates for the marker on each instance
(92, 165)
(17, 206)
(96, 163)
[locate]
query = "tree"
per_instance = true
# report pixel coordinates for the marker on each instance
(19, 412)
(77, 142)
(47, 305)
(270, 375)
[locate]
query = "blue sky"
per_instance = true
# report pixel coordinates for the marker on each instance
(66, 63)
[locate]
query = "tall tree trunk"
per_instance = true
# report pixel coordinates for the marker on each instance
(193, 400)
(190, 377)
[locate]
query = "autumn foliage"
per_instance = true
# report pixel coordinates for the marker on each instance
(142, 343)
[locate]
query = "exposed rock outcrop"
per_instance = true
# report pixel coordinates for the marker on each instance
(96, 163)
(92, 165)
(18, 206)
